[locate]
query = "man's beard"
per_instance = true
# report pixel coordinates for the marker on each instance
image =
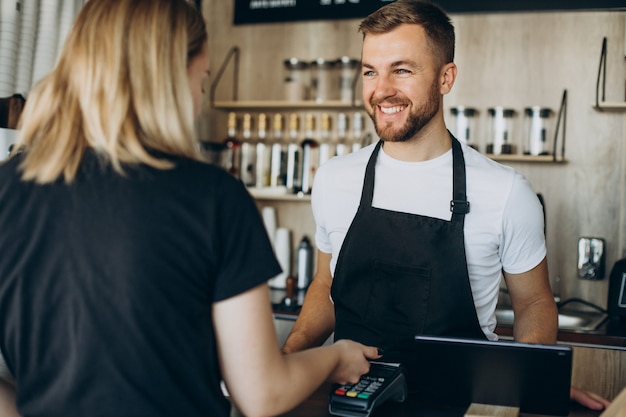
(415, 122)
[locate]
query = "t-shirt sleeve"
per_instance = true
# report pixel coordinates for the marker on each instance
(524, 244)
(246, 255)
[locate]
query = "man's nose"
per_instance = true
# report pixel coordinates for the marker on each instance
(385, 87)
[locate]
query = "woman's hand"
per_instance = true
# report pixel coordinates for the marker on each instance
(353, 361)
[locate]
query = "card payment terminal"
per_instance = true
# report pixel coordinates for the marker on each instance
(384, 382)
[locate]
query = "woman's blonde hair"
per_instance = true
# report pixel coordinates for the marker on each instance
(120, 87)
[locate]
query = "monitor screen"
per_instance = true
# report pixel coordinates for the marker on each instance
(458, 372)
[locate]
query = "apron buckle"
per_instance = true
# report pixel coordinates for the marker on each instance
(459, 206)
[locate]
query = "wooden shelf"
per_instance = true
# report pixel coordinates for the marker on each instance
(614, 106)
(286, 105)
(277, 194)
(527, 158)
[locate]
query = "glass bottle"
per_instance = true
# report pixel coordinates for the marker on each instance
(293, 178)
(327, 149)
(263, 153)
(357, 131)
(342, 147)
(310, 154)
(232, 152)
(278, 162)
(248, 150)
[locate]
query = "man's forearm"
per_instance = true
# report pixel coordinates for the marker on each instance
(537, 323)
(316, 320)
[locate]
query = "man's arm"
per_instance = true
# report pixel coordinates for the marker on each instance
(536, 315)
(316, 320)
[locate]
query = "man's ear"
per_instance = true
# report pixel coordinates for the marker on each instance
(447, 78)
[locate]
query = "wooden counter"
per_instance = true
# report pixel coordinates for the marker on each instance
(317, 406)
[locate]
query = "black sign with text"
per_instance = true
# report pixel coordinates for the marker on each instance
(260, 11)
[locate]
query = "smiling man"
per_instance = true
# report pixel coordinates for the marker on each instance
(415, 232)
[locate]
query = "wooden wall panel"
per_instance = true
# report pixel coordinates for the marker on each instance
(602, 371)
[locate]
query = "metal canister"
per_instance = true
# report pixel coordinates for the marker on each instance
(304, 262)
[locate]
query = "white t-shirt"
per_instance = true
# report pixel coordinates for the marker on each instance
(503, 229)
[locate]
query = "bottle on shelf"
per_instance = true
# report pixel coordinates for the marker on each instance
(278, 162)
(310, 154)
(342, 147)
(232, 151)
(357, 131)
(327, 148)
(263, 154)
(293, 174)
(248, 151)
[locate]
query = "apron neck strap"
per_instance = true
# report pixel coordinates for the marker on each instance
(459, 206)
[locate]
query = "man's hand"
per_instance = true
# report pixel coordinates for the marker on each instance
(588, 399)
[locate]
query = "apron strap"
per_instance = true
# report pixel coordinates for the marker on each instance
(367, 194)
(459, 206)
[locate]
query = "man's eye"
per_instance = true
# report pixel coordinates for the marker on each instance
(368, 73)
(402, 71)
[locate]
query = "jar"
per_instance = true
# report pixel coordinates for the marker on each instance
(346, 67)
(538, 130)
(321, 80)
(501, 131)
(296, 79)
(465, 125)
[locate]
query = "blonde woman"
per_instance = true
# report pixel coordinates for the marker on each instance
(133, 275)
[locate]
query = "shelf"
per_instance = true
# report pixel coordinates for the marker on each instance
(286, 105)
(527, 158)
(277, 194)
(613, 106)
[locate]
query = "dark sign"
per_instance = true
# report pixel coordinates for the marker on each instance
(258, 11)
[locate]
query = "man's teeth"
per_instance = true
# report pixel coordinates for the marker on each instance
(391, 110)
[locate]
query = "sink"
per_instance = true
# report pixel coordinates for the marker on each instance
(568, 320)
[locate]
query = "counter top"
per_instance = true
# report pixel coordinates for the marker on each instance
(317, 406)
(610, 334)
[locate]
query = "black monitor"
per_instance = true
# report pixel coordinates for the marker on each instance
(458, 372)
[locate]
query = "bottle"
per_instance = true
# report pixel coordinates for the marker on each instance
(326, 146)
(342, 147)
(357, 131)
(310, 154)
(293, 178)
(304, 263)
(248, 159)
(263, 154)
(232, 153)
(278, 158)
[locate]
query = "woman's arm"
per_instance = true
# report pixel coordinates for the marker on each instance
(7, 400)
(260, 379)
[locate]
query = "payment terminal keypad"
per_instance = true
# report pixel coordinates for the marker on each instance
(383, 382)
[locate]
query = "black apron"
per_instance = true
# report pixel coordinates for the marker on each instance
(401, 274)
